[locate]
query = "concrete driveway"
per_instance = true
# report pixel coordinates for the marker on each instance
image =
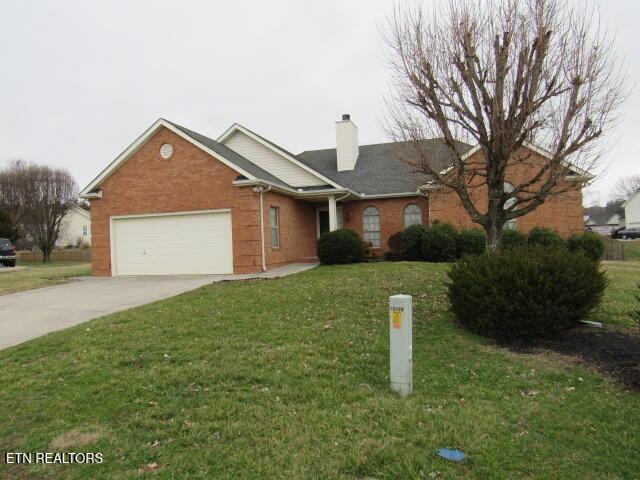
(30, 314)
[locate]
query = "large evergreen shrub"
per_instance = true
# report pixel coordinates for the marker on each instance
(340, 246)
(524, 292)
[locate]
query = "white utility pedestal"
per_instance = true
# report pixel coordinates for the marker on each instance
(401, 343)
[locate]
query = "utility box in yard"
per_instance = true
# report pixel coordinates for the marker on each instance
(401, 343)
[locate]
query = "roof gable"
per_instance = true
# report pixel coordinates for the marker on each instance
(218, 151)
(273, 158)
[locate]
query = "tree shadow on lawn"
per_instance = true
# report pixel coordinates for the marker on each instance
(613, 352)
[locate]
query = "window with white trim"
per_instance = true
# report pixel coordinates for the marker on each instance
(85, 230)
(371, 226)
(274, 215)
(412, 215)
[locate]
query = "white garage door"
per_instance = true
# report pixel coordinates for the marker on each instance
(185, 243)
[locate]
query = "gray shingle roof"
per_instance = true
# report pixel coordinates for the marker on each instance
(381, 168)
(232, 156)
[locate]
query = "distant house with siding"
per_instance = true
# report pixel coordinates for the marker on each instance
(632, 210)
(75, 228)
(603, 223)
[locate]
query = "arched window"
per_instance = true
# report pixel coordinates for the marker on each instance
(412, 215)
(371, 226)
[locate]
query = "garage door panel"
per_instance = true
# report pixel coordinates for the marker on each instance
(188, 243)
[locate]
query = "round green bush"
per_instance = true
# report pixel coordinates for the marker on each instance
(439, 243)
(411, 242)
(545, 237)
(513, 238)
(470, 242)
(395, 247)
(524, 292)
(589, 244)
(340, 246)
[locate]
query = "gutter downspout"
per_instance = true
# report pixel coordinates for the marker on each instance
(260, 189)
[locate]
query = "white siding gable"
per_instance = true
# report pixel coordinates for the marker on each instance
(270, 161)
(73, 228)
(632, 211)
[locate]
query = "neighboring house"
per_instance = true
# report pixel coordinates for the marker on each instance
(603, 223)
(177, 202)
(75, 228)
(632, 210)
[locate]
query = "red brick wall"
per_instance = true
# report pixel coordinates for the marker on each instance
(190, 180)
(193, 180)
(563, 213)
(391, 216)
(297, 230)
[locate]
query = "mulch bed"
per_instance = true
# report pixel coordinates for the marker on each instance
(614, 352)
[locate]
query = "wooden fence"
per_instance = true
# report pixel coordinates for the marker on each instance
(71, 255)
(613, 250)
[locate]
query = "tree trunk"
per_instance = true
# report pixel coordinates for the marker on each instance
(46, 255)
(494, 236)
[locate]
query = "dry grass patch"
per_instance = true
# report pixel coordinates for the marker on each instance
(78, 437)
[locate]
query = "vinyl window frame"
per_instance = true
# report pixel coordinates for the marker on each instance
(274, 223)
(371, 220)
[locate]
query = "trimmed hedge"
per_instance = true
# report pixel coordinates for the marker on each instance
(544, 237)
(589, 244)
(470, 242)
(411, 242)
(512, 239)
(340, 246)
(524, 292)
(395, 247)
(439, 243)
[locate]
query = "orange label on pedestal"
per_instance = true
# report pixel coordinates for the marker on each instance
(396, 318)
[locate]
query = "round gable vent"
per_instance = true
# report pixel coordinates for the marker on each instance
(166, 151)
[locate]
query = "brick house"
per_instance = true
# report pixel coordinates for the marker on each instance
(177, 202)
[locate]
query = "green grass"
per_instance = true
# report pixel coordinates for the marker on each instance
(632, 250)
(289, 378)
(620, 296)
(40, 275)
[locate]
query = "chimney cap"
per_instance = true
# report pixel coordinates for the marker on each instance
(346, 116)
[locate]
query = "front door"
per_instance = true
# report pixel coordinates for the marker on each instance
(323, 222)
(322, 219)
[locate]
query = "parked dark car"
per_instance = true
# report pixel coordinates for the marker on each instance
(615, 233)
(629, 233)
(7, 253)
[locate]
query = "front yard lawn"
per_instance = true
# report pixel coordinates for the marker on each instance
(632, 250)
(288, 378)
(38, 275)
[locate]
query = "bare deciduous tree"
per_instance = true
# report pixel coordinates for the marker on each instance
(502, 75)
(12, 180)
(626, 186)
(38, 197)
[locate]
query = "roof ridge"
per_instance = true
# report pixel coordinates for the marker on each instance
(383, 143)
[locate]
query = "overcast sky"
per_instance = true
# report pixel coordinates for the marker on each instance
(80, 80)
